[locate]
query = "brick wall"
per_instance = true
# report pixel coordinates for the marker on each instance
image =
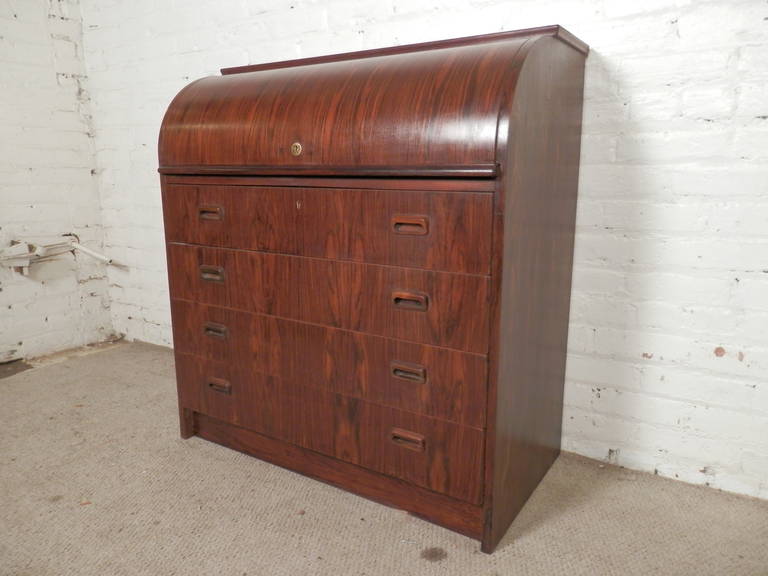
(667, 369)
(46, 185)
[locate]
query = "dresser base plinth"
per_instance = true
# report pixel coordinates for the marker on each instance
(436, 508)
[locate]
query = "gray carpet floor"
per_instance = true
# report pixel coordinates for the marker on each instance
(94, 480)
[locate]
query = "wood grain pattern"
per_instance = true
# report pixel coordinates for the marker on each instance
(355, 183)
(454, 514)
(347, 428)
(342, 224)
(555, 31)
(387, 309)
(486, 170)
(337, 294)
(357, 365)
(352, 113)
(533, 277)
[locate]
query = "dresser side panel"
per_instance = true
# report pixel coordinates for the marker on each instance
(540, 181)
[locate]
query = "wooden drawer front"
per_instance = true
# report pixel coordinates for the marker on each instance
(433, 230)
(427, 307)
(232, 216)
(437, 382)
(438, 455)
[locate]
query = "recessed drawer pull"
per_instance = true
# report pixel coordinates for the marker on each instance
(220, 385)
(210, 212)
(214, 330)
(411, 372)
(410, 225)
(410, 300)
(408, 439)
(211, 273)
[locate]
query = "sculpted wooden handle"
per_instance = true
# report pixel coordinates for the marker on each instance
(211, 273)
(214, 330)
(410, 300)
(210, 212)
(412, 372)
(409, 225)
(220, 385)
(408, 439)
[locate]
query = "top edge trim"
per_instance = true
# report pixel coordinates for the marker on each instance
(554, 30)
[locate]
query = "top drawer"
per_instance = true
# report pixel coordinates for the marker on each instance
(448, 231)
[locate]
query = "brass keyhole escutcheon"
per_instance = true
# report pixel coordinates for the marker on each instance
(296, 148)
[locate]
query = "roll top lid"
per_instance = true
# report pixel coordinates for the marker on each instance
(430, 109)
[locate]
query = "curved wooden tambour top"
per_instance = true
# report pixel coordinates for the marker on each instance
(422, 110)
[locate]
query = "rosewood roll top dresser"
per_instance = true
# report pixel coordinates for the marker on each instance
(369, 259)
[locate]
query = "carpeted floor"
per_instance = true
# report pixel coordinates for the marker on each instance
(94, 480)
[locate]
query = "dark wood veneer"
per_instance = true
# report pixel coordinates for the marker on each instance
(340, 224)
(455, 514)
(374, 113)
(369, 260)
(476, 171)
(381, 370)
(353, 296)
(347, 182)
(448, 461)
(554, 31)
(534, 232)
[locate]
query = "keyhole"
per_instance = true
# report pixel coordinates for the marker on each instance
(296, 148)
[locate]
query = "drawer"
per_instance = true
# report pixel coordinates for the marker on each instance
(448, 231)
(434, 454)
(437, 382)
(436, 308)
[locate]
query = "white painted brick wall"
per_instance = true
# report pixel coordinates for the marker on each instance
(667, 369)
(46, 185)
